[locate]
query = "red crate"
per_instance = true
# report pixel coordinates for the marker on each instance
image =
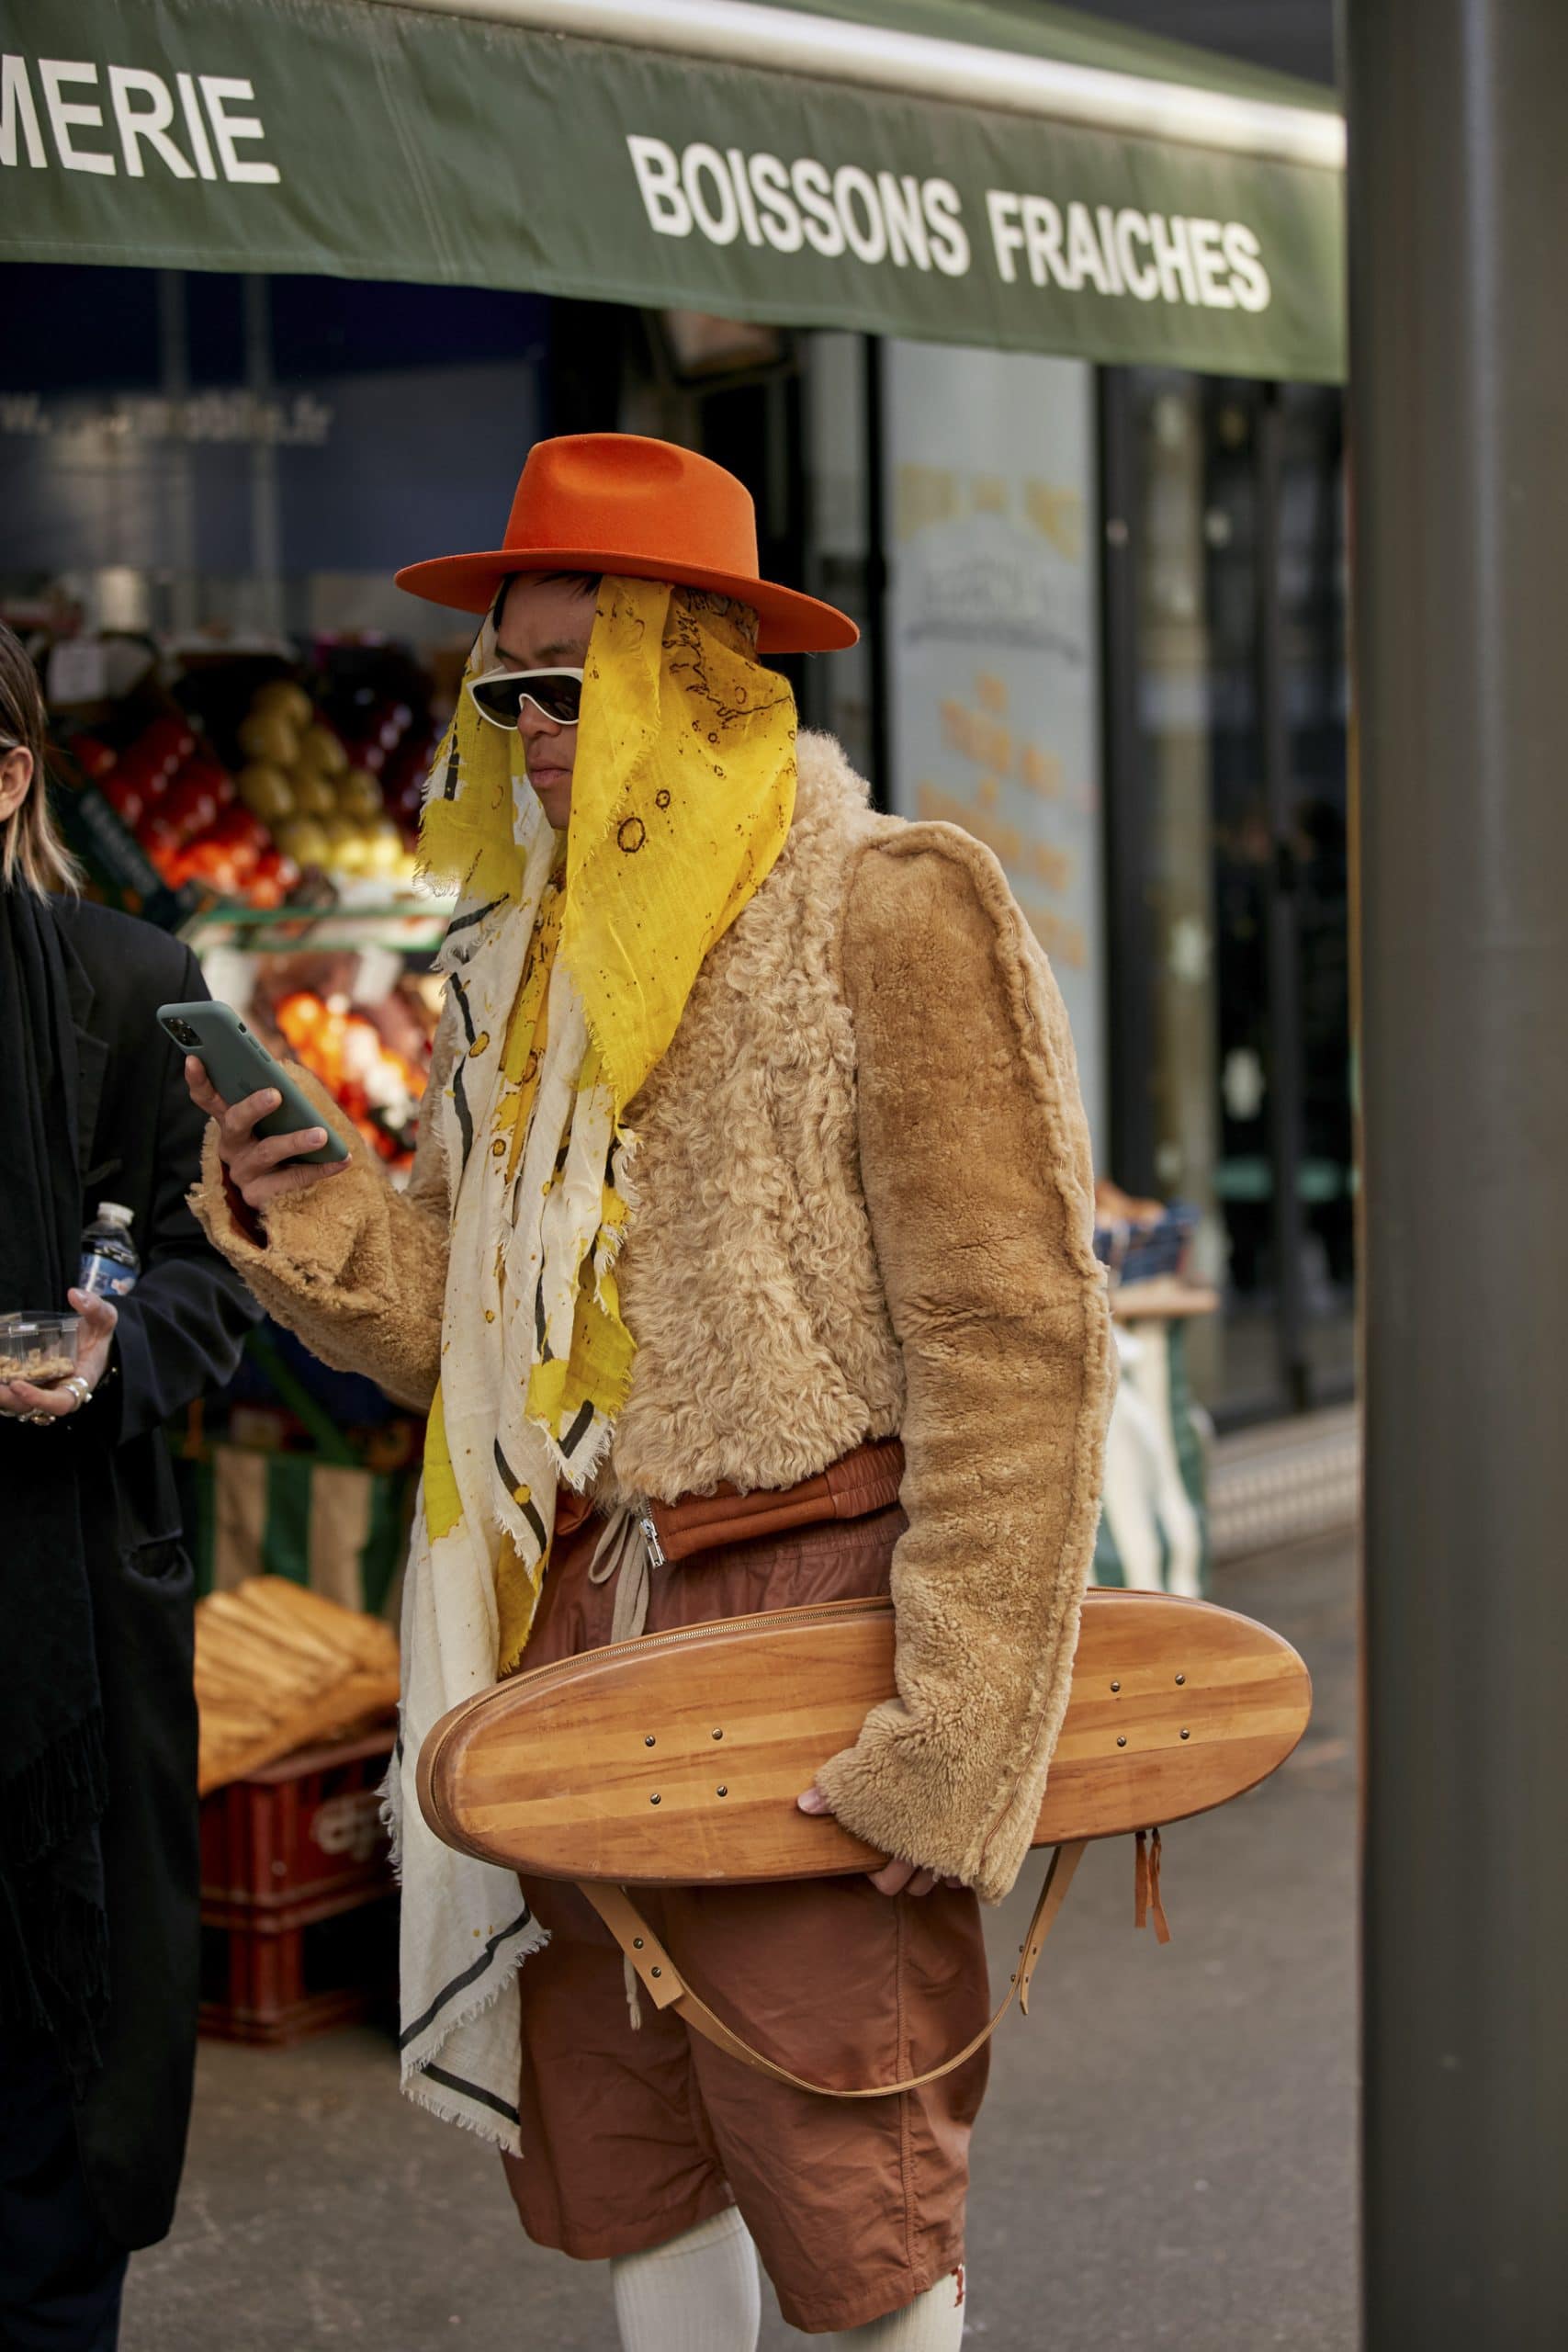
(276, 1978)
(304, 1831)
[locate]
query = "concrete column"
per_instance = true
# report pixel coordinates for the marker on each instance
(1458, 234)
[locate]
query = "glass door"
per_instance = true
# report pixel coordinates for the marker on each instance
(1225, 729)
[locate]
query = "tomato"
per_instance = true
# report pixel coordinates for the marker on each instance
(127, 799)
(94, 758)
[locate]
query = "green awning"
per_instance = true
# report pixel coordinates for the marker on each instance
(986, 173)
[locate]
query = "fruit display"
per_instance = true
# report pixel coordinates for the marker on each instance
(238, 774)
(380, 704)
(271, 794)
(379, 1088)
(403, 778)
(323, 808)
(171, 792)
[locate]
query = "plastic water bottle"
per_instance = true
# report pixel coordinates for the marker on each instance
(109, 1262)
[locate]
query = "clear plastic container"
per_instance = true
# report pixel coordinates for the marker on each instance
(38, 1348)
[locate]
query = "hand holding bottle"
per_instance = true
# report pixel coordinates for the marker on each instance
(109, 1261)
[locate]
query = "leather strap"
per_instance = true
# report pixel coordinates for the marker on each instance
(866, 1479)
(668, 1989)
(1146, 1900)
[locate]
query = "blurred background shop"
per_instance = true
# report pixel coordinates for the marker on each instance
(1025, 331)
(1105, 629)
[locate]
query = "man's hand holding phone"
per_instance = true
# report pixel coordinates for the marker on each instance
(262, 1167)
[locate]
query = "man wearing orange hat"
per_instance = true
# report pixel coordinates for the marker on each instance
(754, 1151)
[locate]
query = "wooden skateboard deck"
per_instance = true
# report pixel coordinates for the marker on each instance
(677, 1759)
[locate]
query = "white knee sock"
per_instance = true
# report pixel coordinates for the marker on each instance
(933, 2322)
(699, 2293)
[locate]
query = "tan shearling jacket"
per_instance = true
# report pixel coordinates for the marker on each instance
(860, 1203)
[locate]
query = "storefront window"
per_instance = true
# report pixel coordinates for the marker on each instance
(253, 454)
(206, 483)
(209, 481)
(1240, 784)
(845, 695)
(1313, 582)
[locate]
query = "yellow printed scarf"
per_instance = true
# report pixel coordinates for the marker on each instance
(681, 800)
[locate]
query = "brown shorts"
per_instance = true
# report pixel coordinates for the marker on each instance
(633, 2137)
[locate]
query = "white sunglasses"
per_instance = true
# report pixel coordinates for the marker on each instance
(500, 696)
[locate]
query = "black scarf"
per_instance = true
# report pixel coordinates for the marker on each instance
(53, 1929)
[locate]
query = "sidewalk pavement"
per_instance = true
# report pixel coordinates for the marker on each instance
(1166, 2157)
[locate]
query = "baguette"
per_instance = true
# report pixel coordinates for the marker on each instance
(278, 1666)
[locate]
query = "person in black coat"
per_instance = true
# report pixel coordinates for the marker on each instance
(99, 1849)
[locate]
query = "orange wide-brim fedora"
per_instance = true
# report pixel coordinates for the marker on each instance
(645, 509)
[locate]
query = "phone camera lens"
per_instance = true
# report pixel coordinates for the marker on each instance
(185, 1033)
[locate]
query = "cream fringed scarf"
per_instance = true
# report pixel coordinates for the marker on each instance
(566, 976)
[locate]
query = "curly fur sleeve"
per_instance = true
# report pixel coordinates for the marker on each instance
(354, 1267)
(976, 1164)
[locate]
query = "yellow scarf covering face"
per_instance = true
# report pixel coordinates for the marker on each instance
(681, 800)
(569, 980)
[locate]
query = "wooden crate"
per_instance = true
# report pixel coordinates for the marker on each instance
(303, 1830)
(298, 1905)
(277, 1977)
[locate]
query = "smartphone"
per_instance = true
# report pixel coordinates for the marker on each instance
(238, 1065)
